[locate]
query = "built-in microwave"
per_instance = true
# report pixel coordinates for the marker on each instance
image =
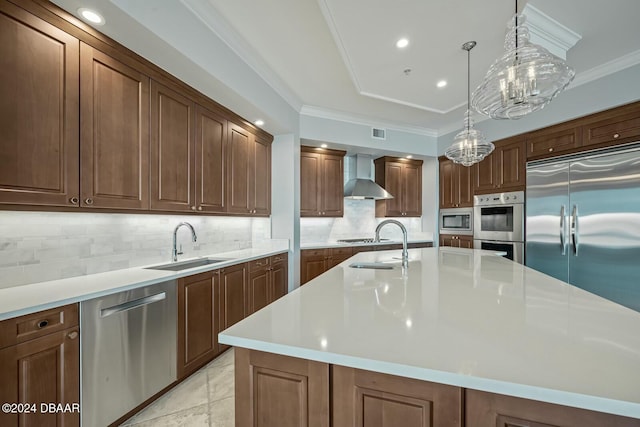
(456, 221)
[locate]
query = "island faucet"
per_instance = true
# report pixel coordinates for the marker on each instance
(405, 253)
(174, 251)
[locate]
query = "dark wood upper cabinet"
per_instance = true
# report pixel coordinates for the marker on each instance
(321, 182)
(210, 167)
(39, 104)
(502, 170)
(114, 133)
(553, 140)
(248, 173)
(608, 129)
(455, 185)
(172, 150)
(403, 179)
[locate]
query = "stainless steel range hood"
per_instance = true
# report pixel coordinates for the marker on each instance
(360, 185)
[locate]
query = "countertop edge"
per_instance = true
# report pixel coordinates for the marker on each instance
(327, 245)
(558, 397)
(156, 276)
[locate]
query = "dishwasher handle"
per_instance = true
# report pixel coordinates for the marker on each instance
(106, 312)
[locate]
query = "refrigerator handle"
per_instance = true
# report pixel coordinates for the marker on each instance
(574, 229)
(562, 231)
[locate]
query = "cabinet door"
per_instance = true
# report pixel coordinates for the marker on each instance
(313, 263)
(280, 391)
(484, 409)
(464, 187)
(412, 190)
(393, 184)
(465, 242)
(447, 182)
(510, 165)
(310, 184)
(363, 398)
(114, 138)
(197, 340)
(231, 292)
(39, 103)
(172, 150)
(258, 290)
(260, 189)
(240, 146)
(42, 370)
(484, 174)
(279, 284)
(552, 141)
(332, 186)
(449, 240)
(211, 141)
(615, 130)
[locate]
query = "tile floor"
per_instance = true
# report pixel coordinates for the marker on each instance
(204, 399)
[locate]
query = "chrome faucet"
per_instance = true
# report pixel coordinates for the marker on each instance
(174, 251)
(405, 253)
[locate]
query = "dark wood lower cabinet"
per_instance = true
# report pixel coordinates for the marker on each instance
(197, 322)
(366, 399)
(268, 281)
(280, 391)
(485, 409)
(456, 241)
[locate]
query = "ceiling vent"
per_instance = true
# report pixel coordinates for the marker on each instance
(378, 133)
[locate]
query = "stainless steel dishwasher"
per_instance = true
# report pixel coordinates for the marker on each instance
(128, 343)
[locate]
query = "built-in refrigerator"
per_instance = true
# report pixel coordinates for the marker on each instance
(583, 222)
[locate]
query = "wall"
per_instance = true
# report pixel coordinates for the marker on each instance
(40, 246)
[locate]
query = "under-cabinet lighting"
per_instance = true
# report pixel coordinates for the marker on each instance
(259, 122)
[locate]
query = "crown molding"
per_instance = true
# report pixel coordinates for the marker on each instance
(206, 13)
(549, 33)
(329, 114)
(411, 104)
(603, 70)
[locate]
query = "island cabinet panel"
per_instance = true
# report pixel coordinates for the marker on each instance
(114, 134)
(210, 167)
(172, 150)
(364, 399)
(321, 182)
(39, 103)
(403, 179)
(483, 409)
(41, 366)
(231, 291)
(280, 391)
(455, 185)
(197, 322)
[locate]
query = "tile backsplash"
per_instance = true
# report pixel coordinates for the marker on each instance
(40, 246)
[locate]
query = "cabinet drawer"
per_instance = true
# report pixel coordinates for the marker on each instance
(259, 264)
(313, 252)
(25, 328)
(341, 251)
(280, 258)
(418, 245)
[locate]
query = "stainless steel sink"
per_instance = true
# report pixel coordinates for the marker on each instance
(372, 265)
(177, 266)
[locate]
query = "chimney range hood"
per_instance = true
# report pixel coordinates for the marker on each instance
(360, 185)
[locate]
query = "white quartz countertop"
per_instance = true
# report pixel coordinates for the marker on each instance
(461, 317)
(26, 299)
(336, 244)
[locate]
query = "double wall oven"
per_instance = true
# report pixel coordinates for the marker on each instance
(499, 223)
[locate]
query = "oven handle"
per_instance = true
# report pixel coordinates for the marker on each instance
(574, 230)
(562, 231)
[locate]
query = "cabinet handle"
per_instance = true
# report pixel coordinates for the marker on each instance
(551, 149)
(199, 208)
(616, 135)
(43, 323)
(74, 200)
(88, 201)
(193, 208)
(73, 335)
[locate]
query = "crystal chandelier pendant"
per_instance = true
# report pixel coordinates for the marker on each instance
(525, 79)
(469, 145)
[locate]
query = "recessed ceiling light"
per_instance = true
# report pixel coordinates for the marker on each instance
(402, 43)
(259, 122)
(441, 83)
(323, 146)
(91, 16)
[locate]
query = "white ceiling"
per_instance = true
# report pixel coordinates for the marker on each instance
(339, 56)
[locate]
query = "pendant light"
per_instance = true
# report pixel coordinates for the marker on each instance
(469, 145)
(525, 79)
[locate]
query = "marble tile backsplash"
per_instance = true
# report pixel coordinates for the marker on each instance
(40, 246)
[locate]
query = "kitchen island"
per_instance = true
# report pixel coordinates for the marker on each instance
(462, 337)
